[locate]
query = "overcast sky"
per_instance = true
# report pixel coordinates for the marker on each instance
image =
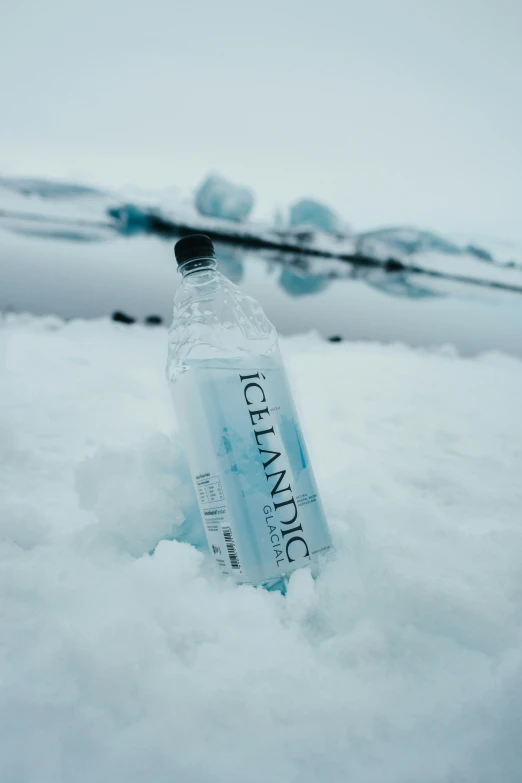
(394, 112)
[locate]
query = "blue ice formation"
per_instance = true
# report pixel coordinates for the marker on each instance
(131, 219)
(308, 212)
(218, 198)
(411, 240)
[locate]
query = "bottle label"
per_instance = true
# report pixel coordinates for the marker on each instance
(255, 487)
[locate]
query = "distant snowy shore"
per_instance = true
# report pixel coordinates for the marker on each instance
(69, 207)
(127, 658)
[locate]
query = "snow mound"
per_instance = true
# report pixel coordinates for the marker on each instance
(308, 212)
(127, 658)
(216, 197)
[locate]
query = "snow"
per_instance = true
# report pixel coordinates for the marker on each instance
(126, 658)
(441, 260)
(216, 197)
(504, 251)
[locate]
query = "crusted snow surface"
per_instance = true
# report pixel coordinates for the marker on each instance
(125, 657)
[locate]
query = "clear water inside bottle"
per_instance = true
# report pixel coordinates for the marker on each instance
(256, 490)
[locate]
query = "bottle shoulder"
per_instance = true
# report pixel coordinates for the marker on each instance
(214, 319)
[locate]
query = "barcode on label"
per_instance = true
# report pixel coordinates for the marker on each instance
(231, 547)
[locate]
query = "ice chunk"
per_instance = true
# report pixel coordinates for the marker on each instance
(408, 241)
(217, 197)
(308, 212)
(131, 219)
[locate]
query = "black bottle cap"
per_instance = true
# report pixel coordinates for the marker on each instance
(192, 247)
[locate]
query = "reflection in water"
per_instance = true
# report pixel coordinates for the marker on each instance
(64, 234)
(398, 283)
(292, 272)
(41, 227)
(230, 262)
(298, 275)
(88, 271)
(297, 283)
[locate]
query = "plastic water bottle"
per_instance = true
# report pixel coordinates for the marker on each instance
(256, 491)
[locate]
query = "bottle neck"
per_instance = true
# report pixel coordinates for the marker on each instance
(197, 265)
